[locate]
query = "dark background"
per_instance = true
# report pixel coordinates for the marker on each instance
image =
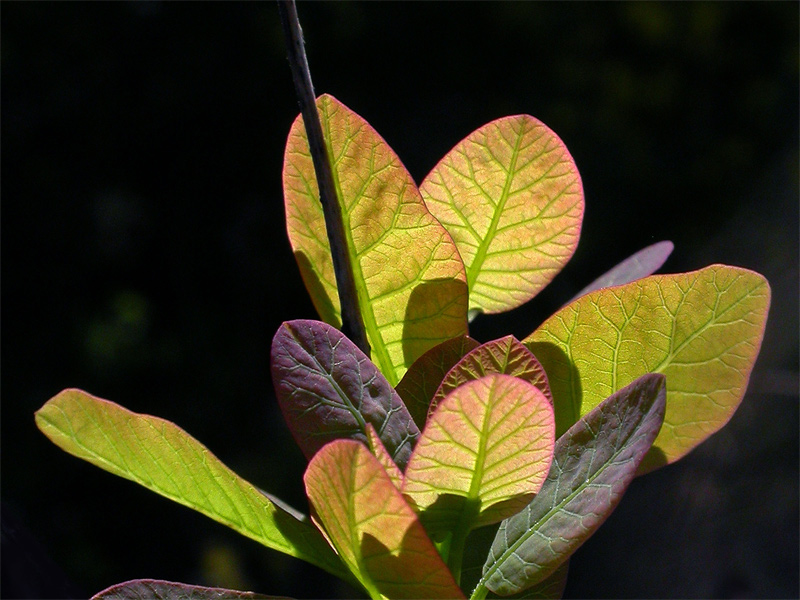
(144, 255)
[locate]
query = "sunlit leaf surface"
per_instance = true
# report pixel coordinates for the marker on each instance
(422, 379)
(486, 449)
(328, 389)
(511, 197)
(374, 530)
(154, 589)
(703, 330)
(506, 355)
(162, 457)
(645, 262)
(379, 451)
(593, 464)
(410, 279)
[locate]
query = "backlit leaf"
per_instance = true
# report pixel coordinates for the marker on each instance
(374, 530)
(506, 356)
(410, 279)
(155, 589)
(379, 451)
(593, 464)
(162, 457)
(645, 262)
(487, 449)
(703, 330)
(422, 379)
(511, 197)
(328, 389)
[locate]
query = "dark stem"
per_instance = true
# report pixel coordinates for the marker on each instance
(352, 323)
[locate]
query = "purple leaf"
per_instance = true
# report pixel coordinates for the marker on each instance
(594, 462)
(154, 589)
(328, 389)
(645, 262)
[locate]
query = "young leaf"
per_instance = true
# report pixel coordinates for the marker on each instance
(162, 457)
(374, 531)
(511, 197)
(645, 262)
(551, 588)
(410, 279)
(506, 356)
(379, 451)
(155, 589)
(328, 389)
(593, 464)
(420, 382)
(703, 330)
(486, 449)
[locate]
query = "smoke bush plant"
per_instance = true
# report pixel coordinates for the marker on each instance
(418, 435)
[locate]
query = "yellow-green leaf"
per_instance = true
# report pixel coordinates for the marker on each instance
(410, 280)
(484, 453)
(374, 530)
(703, 330)
(511, 197)
(160, 456)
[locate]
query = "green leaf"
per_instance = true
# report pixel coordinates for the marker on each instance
(422, 379)
(703, 330)
(645, 262)
(372, 528)
(511, 197)
(483, 455)
(551, 588)
(593, 464)
(328, 389)
(505, 356)
(155, 589)
(410, 279)
(162, 457)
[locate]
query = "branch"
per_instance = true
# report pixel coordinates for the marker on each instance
(352, 323)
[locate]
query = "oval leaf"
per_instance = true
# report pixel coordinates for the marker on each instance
(645, 262)
(703, 330)
(328, 389)
(155, 589)
(373, 529)
(505, 356)
(162, 457)
(486, 449)
(593, 464)
(420, 382)
(409, 277)
(511, 197)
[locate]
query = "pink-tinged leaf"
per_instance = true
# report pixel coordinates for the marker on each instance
(506, 356)
(328, 389)
(703, 330)
(380, 452)
(550, 588)
(160, 456)
(511, 197)
(422, 379)
(409, 277)
(373, 529)
(486, 449)
(593, 464)
(645, 262)
(155, 589)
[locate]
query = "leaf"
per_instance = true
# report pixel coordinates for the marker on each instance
(379, 451)
(410, 279)
(511, 197)
(374, 531)
(506, 356)
(328, 389)
(487, 449)
(155, 589)
(593, 464)
(645, 262)
(551, 588)
(703, 330)
(162, 457)
(422, 379)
